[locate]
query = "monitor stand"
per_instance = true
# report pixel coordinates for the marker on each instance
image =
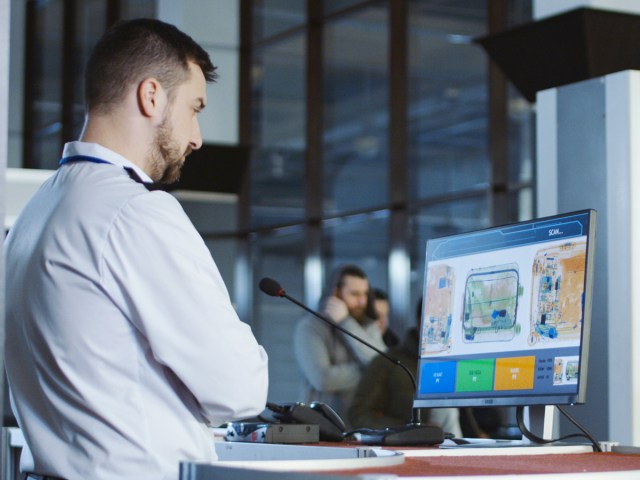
(538, 419)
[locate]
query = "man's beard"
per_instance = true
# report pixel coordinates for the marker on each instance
(165, 159)
(358, 313)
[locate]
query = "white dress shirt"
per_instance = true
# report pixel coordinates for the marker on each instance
(122, 345)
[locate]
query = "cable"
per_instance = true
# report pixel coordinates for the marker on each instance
(536, 439)
(594, 442)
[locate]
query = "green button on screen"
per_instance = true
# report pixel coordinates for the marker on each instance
(475, 375)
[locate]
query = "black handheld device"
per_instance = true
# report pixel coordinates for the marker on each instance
(332, 428)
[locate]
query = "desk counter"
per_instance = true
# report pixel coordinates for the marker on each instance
(432, 463)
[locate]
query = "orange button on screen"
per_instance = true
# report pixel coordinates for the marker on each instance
(515, 373)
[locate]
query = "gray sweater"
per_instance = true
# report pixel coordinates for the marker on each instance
(332, 362)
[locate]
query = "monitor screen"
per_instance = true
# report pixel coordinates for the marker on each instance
(506, 314)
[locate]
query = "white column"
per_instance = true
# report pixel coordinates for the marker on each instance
(623, 261)
(589, 157)
(547, 152)
(610, 173)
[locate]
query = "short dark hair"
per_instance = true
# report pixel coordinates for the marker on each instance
(132, 50)
(349, 271)
(380, 294)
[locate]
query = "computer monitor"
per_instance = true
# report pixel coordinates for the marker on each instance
(506, 315)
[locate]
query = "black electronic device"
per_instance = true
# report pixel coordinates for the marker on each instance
(255, 432)
(506, 315)
(331, 426)
(414, 433)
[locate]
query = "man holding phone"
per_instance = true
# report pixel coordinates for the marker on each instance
(332, 362)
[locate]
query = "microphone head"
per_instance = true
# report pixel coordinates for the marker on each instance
(271, 287)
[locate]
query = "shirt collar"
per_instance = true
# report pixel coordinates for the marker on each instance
(98, 151)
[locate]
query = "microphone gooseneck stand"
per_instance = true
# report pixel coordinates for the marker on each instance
(414, 433)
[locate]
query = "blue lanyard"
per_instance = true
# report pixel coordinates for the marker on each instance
(130, 171)
(82, 158)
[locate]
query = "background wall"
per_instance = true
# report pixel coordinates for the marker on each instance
(588, 131)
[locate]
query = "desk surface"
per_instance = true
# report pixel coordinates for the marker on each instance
(433, 463)
(474, 464)
(576, 463)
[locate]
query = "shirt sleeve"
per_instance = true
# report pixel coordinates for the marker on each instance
(162, 276)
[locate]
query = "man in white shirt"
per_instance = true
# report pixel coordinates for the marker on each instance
(122, 343)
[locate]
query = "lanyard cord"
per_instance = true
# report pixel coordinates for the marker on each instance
(151, 186)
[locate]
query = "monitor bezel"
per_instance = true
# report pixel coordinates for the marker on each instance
(489, 399)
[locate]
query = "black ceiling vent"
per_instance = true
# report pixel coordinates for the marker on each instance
(567, 48)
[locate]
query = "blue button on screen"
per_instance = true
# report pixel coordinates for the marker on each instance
(437, 377)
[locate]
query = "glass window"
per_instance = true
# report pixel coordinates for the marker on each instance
(518, 204)
(279, 109)
(271, 17)
(138, 8)
(361, 240)
(56, 56)
(520, 134)
(356, 117)
(215, 218)
(91, 14)
(45, 85)
(520, 138)
(331, 6)
(448, 164)
(448, 139)
(280, 256)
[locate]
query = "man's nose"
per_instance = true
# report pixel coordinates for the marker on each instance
(195, 142)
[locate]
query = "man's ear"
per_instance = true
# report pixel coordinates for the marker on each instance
(151, 97)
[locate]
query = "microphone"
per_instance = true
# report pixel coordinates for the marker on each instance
(271, 287)
(414, 433)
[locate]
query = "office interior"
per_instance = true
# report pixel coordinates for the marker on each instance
(352, 131)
